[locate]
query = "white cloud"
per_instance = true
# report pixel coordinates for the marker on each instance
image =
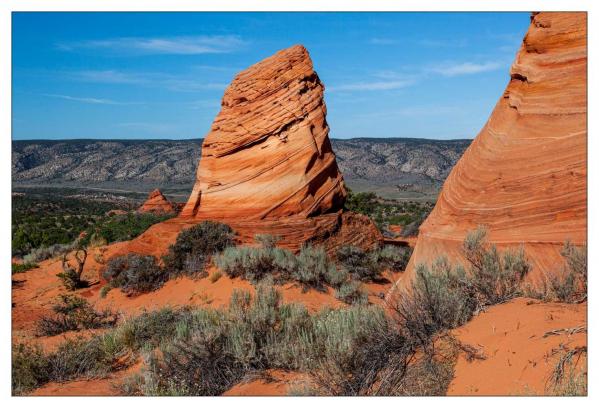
(444, 43)
(152, 79)
(464, 68)
(383, 41)
(188, 45)
(98, 101)
(372, 86)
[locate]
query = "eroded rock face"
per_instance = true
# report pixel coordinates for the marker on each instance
(524, 176)
(268, 153)
(157, 204)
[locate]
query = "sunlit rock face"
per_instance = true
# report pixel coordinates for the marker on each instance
(267, 165)
(524, 176)
(268, 153)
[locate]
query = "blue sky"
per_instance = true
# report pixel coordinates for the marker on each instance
(162, 75)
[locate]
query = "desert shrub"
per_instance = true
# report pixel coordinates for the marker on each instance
(267, 240)
(439, 299)
(74, 313)
(42, 253)
(412, 228)
(70, 275)
(569, 375)
(392, 257)
(216, 275)
(314, 268)
(311, 267)
(134, 274)
(494, 277)
(254, 264)
(23, 267)
(75, 358)
(568, 285)
(351, 292)
(195, 246)
(30, 368)
(149, 329)
(361, 265)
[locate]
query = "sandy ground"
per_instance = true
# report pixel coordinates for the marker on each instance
(519, 355)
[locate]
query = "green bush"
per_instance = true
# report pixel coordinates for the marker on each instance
(195, 246)
(74, 313)
(30, 368)
(134, 274)
(23, 267)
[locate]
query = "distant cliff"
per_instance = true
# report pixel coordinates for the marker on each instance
(389, 166)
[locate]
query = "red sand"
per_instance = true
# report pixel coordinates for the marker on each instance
(519, 360)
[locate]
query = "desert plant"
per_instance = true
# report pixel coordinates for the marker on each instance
(254, 264)
(195, 246)
(71, 276)
(30, 368)
(568, 284)
(392, 257)
(351, 292)
(267, 240)
(135, 274)
(23, 267)
(74, 313)
(494, 277)
(216, 275)
(42, 253)
(360, 264)
(314, 268)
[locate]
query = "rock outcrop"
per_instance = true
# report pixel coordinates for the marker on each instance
(157, 204)
(525, 174)
(268, 153)
(267, 165)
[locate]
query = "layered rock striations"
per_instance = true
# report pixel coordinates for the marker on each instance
(268, 153)
(525, 174)
(157, 204)
(267, 165)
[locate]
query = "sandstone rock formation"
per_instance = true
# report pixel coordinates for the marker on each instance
(524, 176)
(268, 153)
(267, 165)
(157, 204)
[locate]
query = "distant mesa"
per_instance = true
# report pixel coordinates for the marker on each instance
(525, 174)
(157, 204)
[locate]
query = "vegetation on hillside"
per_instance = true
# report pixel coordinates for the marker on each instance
(358, 350)
(384, 212)
(46, 226)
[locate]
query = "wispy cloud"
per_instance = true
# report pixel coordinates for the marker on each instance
(371, 86)
(443, 43)
(185, 45)
(157, 128)
(98, 101)
(152, 79)
(464, 68)
(383, 41)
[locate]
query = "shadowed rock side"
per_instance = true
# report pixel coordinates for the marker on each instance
(157, 204)
(524, 176)
(268, 153)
